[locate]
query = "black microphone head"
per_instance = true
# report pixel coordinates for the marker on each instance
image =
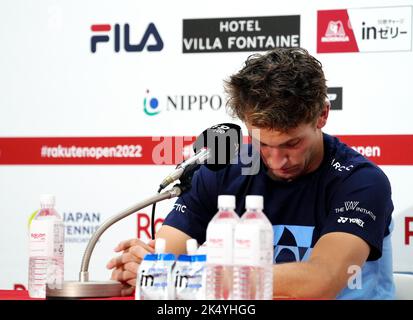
(223, 142)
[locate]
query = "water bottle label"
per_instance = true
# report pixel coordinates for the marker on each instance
(154, 280)
(219, 244)
(253, 245)
(246, 245)
(189, 277)
(40, 233)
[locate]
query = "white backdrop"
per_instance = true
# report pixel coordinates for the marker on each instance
(52, 85)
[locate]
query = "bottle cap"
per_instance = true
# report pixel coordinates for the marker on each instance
(226, 201)
(47, 199)
(191, 246)
(160, 244)
(254, 202)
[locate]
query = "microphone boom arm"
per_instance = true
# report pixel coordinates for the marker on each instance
(88, 289)
(84, 273)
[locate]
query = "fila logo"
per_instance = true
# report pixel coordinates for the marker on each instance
(118, 34)
(351, 205)
(342, 220)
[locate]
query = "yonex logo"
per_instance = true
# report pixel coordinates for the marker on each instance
(342, 220)
(357, 221)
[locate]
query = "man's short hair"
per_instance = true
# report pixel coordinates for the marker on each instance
(278, 90)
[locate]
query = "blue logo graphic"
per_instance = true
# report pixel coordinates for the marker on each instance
(292, 243)
(151, 105)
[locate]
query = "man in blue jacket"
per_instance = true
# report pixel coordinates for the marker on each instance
(330, 207)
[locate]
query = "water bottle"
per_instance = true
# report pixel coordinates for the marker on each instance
(220, 237)
(253, 253)
(46, 249)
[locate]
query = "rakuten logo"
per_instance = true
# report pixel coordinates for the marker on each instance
(368, 151)
(217, 243)
(243, 243)
(144, 225)
(38, 236)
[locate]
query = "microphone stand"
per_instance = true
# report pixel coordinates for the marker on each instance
(84, 288)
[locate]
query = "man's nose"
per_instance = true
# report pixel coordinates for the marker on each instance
(275, 158)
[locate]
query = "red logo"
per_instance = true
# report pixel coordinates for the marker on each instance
(213, 242)
(408, 232)
(243, 242)
(144, 225)
(334, 32)
(38, 235)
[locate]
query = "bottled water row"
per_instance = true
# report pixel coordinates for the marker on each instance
(161, 277)
(239, 252)
(235, 264)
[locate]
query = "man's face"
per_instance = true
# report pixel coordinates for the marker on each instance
(290, 154)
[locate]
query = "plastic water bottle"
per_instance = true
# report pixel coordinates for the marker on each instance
(46, 249)
(253, 253)
(220, 237)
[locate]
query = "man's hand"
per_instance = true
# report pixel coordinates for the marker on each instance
(126, 265)
(133, 251)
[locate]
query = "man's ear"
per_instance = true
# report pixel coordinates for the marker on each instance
(322, 119)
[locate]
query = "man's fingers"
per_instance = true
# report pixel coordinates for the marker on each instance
(124, 245)
(151, 243)
(131, 282)
(127, 291)
(116, 275)
(127, 275)
(121, 260)
(140, 252)
(131, 267)
(111, 264)
(122, 275)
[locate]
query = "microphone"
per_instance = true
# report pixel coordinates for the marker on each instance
(192, 162)
(215, 148)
